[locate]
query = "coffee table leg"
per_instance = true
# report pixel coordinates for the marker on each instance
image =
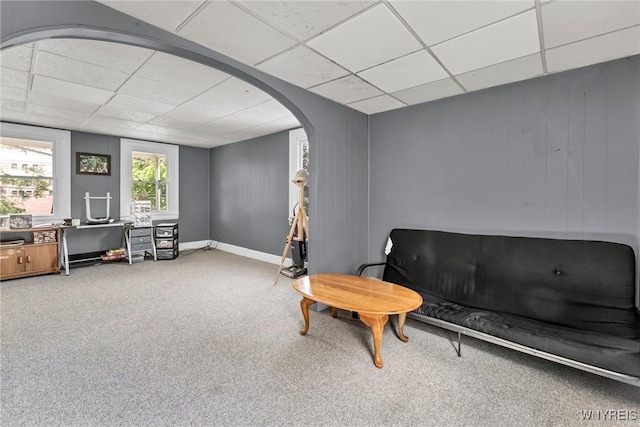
(376, 322)
(304, 305)
(334, 312)
(401, 319)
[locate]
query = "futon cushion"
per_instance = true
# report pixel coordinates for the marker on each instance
(605, 351)
(582, 285)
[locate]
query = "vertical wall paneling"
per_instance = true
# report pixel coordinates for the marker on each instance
(534, 160)
(557, 111)
(97, 185)
(249, 193)
(576, 157)
(595, 154)
(555, 156)
(194, 194)
(623, 130)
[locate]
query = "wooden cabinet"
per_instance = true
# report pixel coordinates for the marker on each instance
(29, 258)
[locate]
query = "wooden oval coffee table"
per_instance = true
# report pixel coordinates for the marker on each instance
(373, 299)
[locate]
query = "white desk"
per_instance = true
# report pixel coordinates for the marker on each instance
(64, 258)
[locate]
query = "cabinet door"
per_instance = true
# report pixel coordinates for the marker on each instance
(41, 257)
(11, 261)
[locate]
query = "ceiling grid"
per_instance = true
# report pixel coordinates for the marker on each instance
(372, 56)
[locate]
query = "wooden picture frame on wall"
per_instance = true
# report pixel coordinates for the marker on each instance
(93, 164)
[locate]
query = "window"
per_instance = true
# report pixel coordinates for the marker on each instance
(149, 171)
(42, 186)
(298, 159)
(149, 179)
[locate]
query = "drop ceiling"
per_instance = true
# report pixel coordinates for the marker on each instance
(372, 56)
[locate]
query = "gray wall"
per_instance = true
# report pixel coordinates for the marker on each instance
(555, 156)
(194, 194)
(82, 241)
(337, 135)
(250, 193)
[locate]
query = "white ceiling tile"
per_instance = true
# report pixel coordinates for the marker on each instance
(195, 113)
(429, 92)
(127, 102)
(283, 124)
(509, 39)
(253, 116)
(568, 21)
(69, 90)
(13, 93)
(17, 58)
(83, 73)
(176, 123)
(165, 14)
(156, 91)
(60, 113)
(218, 127)
(302, 67)
(10, 115)
(111, 122)
(63, 103)
(377, 104)
(160, 130)
(115, 56)
(11, 105)
(511, 71)
(369, 39)
(603, 48)
(14, 78)
(122, 114)
(228, 97)
(232, 31)
(437, 21)
(54, 122)
(409, 71)
(172, 70)
(347, 89)
(304, 19)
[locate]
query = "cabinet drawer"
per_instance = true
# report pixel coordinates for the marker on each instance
(166, 243)
(136, 232)
(140, 247)
(142, 239)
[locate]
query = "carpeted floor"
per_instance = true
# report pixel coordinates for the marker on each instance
(206, 339)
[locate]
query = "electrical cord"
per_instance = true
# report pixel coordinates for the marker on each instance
(208, 247)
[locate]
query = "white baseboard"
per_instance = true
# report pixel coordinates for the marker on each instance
(187, 246)
(238, 250)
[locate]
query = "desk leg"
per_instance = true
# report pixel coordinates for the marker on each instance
(376, 322)
(304, 305)
(65, 252)
(401, 319)
(127, 241)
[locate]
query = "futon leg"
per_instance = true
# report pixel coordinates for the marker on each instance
(459, 349)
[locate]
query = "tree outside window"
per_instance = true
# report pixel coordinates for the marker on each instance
(149, 179)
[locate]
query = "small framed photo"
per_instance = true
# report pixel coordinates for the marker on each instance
(20, 221)
(93, 164)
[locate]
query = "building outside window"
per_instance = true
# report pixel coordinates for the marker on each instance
(41, 185)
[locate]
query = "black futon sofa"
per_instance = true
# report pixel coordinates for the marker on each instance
(570, 301)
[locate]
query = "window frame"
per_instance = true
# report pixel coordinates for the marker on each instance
(127, 147)
(61, 141)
